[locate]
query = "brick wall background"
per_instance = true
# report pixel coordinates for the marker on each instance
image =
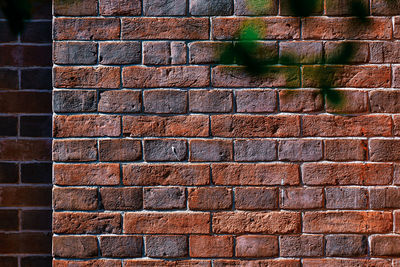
(25, 141)
(163, 158)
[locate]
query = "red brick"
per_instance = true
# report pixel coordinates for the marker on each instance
(25, 150)
(396, 32)
(120, 7)
(86, 174)
(347, 76)
(165, 28)
(345, 149)
(214, 198)
(75, 150)
(255, 126)
(25, 243)
(333, 125)
(384, 198)
(396, 125)
(120, 101)
(87, 263)
(396, 76)
(173, 126)
(76, 198)
(87, 77)
(384, 150)
(302, 246)
(302, 198)
(165, 101)
(352, 101)
(256, 246)
(384, 52)
(126, 198)
(256, 101)
(25, 102)
(86, 125)
(236, 76)
(299, 100)
(75, 247)
(383, 101)
(75, 8)
(347, 222)
(346, 28)
(175, 76)
(167, 223)
(347, 173)
(253, 263)
(25, 196)
(211, 150)
(211, 246)
(175, 263)
(256, 198)
(120, 150)
(270, 28)
(121, 246)
(385, 245)
(86, 28)
(210, 101)
(346, 262)
(164, 174)
(397, 222)
(256, 222)
(255, 174)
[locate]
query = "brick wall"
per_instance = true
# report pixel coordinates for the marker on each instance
(25, 141)
(164, 158)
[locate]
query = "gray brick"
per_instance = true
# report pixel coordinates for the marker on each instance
(165, 150)
(346, 245)
(120, 53)
(168, 246)
(164, 7)
(346, 198)
(254, 198)
(255, 150)
(256, 101)
(211, 7)
(300, 150)
(164, 198)
(165, 101)
(74, 101)
(75, 53)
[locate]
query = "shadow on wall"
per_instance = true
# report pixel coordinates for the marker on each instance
(25, 134)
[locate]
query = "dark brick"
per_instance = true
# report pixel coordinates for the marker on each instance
(9, 261)
(302, 246)
(168, 246)
(75, 246)
(25, 196)
(165, 150)
(74, 101)
(120, 53)
(9, 220)
(33, 173)
(75, 8)
(346, 198)
(164, 198)
(8, 79)
(25, 243)
(37, 32)
(42, 9)
(35, 261)
(8, 126)
(120, 7)
(25, 102)
(288, 9)
(156, 53)
(255, 150)
(8, 173)
(165, 101)
(164, 7)
(127, 198)
(210, 101)
(121, 246)
(211, 8)
(211, 150)
(5, 33)
(75, 198)
(26, 55)
(346, 245)
(36, 79)
(75, 53)
(36, 220)
(36, 126)
(254, 198)
(75, 150)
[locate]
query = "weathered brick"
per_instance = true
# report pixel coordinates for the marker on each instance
(76, 198)
(301, 245)
(211, 150)
(86, 174)
(272, 28)
(384, 52)
(210, 101)
(342, 52)
(256, 198)
(346, 198)
(165, 101)
(206, 52)
(75, 53)
(384, 101)
(97, 263)
(175, 263)
(211, 8)
(163, 174)
(127, 198)
(346, 262)
(301, 52)
(86, 77)
(121, 246)
(156, 53)
(86, 28)
(120, 101)
(204, 198)
(164, 7)
(351, 102)
(256, 100)
(396, 77)
(326, 28)
(300, 150)
(165, 28)
(302, 198)
(117, 53)
(384, 198)
(167, 223)
(245, 8)
(86, 125)
(347, 173)
(396, 31)
(167, 246)
(236, 76)
(75, 150)
(255, 126)
(120, 150)
(255, 150)
(346, 7)
(345, 149)
(385, 245)
(86, 223)
(120, 7)
(300, 100)
(75, 8)
(256, 222)
(75, 246)
(269, 263)
(203, 246)
(397, 222)
(384, 149)
(347, 76)
(164, 198)
(256, 246)
(165, 149)
(346, 245)
(333, 125)
(74, 101)
(255, 174)
(347, 222)
(173, 126)
(178, 53)
(25, 150)
(288, 8)
(385, 8)
(396, 125)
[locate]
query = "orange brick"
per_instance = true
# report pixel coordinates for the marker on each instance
(204, 246)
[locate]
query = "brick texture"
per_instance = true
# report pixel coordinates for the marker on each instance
(164, 156)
